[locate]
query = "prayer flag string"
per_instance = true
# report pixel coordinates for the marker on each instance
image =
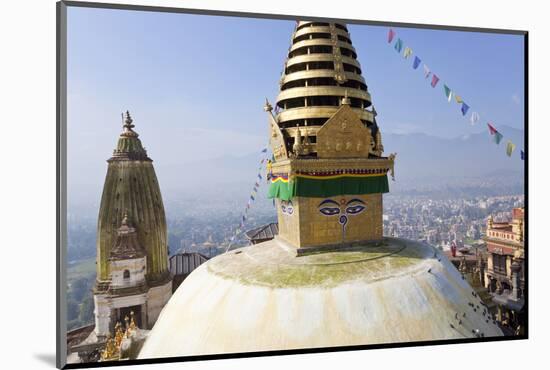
(449, 93)
(251, 198)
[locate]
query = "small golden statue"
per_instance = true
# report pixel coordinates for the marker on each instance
(110, 352)
(133, 325)
(119, 335)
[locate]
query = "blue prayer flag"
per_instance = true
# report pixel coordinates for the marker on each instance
(464, 108)
(416, 62)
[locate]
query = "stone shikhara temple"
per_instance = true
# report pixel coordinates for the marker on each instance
(133, 279)
(132, 213)
(329, 278)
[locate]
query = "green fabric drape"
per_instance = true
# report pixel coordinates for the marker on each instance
(323, 188)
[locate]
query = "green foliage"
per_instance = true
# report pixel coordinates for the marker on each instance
(80, 288)
(81, 242)
(86, 314)
(82, 269)
(80, 304)
(72, 309)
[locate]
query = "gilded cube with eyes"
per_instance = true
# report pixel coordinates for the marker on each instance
(328, 171)
(314, 222)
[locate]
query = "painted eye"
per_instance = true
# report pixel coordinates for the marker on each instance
(289, 210)
(329, 211)
(283, 208)
(353, 210)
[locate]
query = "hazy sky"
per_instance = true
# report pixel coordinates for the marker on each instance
(196, 84)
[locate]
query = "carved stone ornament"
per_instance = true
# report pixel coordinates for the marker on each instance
(344, 136)
(276, 140)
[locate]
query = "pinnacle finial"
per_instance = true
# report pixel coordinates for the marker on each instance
(128, 121)
(345, 99)
(267, 107)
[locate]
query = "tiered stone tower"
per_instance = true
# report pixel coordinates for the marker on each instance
(132, 251)
(329, 173)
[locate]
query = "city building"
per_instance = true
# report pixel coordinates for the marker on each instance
(329, 277)
(505, 274)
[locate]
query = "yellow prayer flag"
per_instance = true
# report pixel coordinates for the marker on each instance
(408, 52)
(510, 148)
(458, 99)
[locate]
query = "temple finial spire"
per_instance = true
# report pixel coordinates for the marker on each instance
(128, 125)
(128, 121)
(267, 107)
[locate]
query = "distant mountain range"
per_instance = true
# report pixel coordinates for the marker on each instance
(421, 156)
(421, 159)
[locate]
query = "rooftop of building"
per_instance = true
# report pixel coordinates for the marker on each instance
(264, 232)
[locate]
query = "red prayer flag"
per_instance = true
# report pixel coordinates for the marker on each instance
(492, 130)
(435, 80)
(391, 34)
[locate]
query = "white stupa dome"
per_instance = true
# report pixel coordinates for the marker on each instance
(263, 298)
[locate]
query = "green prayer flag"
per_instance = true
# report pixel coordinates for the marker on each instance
(497, 137)
(398, 45)
(448, 92)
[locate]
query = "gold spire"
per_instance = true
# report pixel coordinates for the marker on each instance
(321, 75)
(325, 141)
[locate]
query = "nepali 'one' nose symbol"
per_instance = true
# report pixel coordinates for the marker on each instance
(343, 220)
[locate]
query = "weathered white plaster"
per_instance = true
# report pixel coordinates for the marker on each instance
(249, 301)
(156, 300)
(136, 268)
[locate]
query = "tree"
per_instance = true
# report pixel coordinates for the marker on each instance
(80, 288)
(72, 309)
(86, 310)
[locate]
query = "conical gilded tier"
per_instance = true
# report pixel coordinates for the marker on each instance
(321, 69)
